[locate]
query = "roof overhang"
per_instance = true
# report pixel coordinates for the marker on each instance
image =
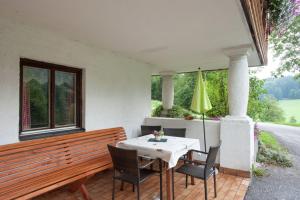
(170, 35)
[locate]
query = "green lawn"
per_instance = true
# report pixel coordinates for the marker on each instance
(270, 141)
(291, 108)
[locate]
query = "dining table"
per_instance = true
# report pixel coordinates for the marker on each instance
(169, 149)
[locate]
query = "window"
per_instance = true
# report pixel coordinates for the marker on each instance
(50, 97)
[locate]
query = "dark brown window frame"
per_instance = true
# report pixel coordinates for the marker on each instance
(52, 68)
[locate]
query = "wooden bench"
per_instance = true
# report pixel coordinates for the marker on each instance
(31, 168)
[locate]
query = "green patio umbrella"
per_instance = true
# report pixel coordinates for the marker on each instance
(201, 103)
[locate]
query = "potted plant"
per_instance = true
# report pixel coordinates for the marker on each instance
(188, 116)
(158, 135)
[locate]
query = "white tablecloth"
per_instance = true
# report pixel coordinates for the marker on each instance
(169, 151)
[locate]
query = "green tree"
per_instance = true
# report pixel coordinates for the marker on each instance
(216, 83)
(255, 103)
(283, 88)
(38, 103)
(293, 119)
(184, 89)
(270, 110)
(64, 104)
(286, 46)
(260, 106)
(156, 85)
(281, 13)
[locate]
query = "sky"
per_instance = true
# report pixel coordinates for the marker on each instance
(264, 72)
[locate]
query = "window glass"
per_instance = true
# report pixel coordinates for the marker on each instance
(50, 99)
(35, 109)
(65, 101)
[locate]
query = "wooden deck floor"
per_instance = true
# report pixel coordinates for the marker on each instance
(228, 188)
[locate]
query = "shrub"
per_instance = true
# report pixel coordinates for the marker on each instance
(176, 112)
(271, 152)
(270, 111)
(269, 156)
(270, 141)
(293, 120)
(156, 112)
(256, 131)
(258, 171)
(186, 114)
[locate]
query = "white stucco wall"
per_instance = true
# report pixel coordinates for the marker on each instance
(117, 89)
(237, 149)
(194, 129)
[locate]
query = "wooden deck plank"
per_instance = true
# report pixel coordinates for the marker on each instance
(228, 187)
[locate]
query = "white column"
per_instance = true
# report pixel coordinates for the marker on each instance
(238, 81)
(167, 89)
(237, 132)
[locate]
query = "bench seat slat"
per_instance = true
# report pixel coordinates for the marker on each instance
(62, 183)
(37, 183)
(30, 168)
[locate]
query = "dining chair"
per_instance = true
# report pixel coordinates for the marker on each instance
(176, 132)
(147, 130)
(128, 168)
(201, 170)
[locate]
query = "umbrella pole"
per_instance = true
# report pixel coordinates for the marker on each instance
(204, 135)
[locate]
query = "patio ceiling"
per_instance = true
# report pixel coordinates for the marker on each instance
(168, 34)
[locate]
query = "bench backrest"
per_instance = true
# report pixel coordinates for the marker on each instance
(25, 160)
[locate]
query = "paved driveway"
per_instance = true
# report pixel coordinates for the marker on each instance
(283, 183)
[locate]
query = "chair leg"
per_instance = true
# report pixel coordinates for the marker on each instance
(186, 176)
(160, 180)
(133, 188)
(215, 184)
(113, 189)
(205, 189)
(138, 191)
(173, 187)
(122, 186)
(186, 181)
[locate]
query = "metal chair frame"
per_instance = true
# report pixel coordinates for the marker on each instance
(176, 132)
(209, 168)
(127, 168)
(147, 130)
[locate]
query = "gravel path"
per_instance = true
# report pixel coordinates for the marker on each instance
(283, 183)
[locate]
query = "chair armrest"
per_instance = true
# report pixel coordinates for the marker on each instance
(198, 151)
(197, 162)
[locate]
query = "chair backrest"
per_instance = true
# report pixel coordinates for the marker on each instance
(211, 157)
(125, 161)
(147, 130)
(176, 132)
